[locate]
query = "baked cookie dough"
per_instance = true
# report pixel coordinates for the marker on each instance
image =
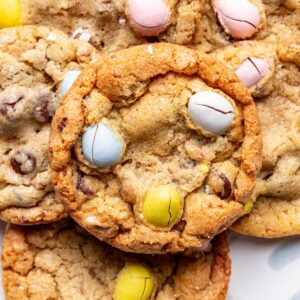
(61, 261)
(165, 157)
(224, 22)
(34, 61)
(272, 73)
(115, 24)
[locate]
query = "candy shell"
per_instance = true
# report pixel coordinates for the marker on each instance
(10, 13)
(240, 18)
(162, 205)
(252, 70)
(102, 146)
(69, 79)
(134, 282)
(211, 111)
(148, 17)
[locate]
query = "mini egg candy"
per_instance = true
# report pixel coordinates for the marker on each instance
(148, 17)
(69, 79)
(240, 18)
(10, 13)
(162, 205)
(134, 282)
(252, 70)
(211, 111)
(102, 146)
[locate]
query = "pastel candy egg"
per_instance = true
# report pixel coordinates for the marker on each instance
(69, 79)
(148, 17)
(10, 13)
(134, 282)
(252, 70)
(102, 146)
(240, 18)
(162, 205)
(211, 111)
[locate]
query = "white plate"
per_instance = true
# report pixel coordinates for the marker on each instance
(261, 269)
(265, 269)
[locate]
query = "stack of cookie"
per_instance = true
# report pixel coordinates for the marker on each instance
(134, 133)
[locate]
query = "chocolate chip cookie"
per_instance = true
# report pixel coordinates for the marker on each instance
(271, 71)
(156, 148)
(116, 24)
(34, 62)
(61, 261)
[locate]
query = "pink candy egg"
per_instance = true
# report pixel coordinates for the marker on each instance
(239, 17)
(148, 17)
(252, 70)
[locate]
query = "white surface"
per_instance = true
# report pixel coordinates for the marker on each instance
(261, 269)
(265, 269)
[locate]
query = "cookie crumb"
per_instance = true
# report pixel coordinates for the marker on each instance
(51, 37)
(122, 21)
(150, 50)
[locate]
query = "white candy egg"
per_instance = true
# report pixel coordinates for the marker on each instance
(68, 81)
(102, 145)
(211, 111)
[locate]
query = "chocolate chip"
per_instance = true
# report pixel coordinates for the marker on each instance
(227, 190)
(23, 162)
(81, 185)
(180, 226)
(8, 104)
(126, 162)
(77, 36)
(45, 106)
(62, 123)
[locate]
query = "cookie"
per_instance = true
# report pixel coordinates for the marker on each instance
(271, 218)
(116, 24)
(34, 61)
(61, 261)
(224, 22)
(165, 157)
(272, 72)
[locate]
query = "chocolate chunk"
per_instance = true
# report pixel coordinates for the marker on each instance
(62, 123)
(45, 106)
(23, 162)
(81, 185)
(227, 190)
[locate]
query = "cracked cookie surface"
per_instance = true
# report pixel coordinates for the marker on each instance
(61, 261)
(105, 23)
(133, 165)
(277, 94)
(33, 63)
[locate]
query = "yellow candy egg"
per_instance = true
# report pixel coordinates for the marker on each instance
(162, 205)
(134, 282)
(10, 13)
